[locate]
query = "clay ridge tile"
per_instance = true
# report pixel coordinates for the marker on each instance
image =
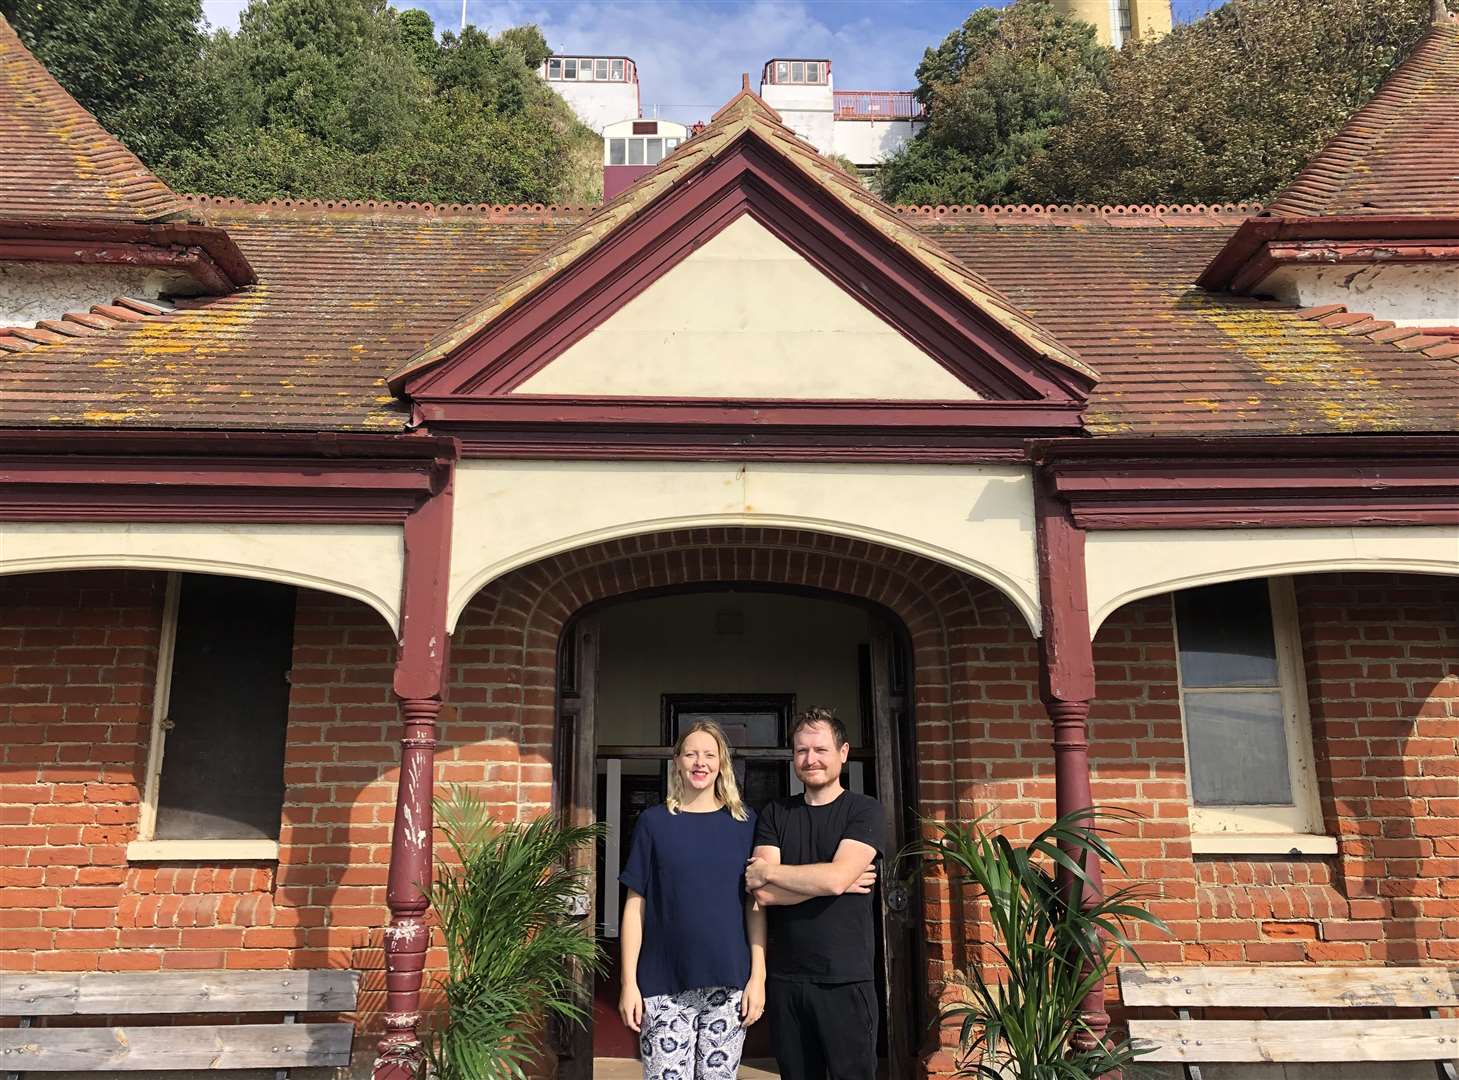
(1437, 342)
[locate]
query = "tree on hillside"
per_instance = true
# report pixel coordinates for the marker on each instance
(130, 62)
(994, 91)
(320, 99)
(351, 99)
(1227, 108)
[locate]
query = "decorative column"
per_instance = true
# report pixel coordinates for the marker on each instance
(419, 683)
(1066, 677)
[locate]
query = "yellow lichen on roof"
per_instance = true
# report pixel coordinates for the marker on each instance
(747, 116)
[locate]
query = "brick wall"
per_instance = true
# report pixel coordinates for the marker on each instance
(1380, 652)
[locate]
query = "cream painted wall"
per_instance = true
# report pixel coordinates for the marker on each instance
(1410, 295)
(359, 561)
(1126, 565)
(745, 316)
(978, 519)
(669, 645)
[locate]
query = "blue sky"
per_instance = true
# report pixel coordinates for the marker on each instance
(690, 53)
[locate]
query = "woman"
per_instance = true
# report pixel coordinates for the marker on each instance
(693, 943)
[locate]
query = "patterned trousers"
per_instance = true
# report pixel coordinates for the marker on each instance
(695, 1035)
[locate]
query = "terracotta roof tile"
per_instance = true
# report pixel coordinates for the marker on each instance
(310, 346)
(1178, 360)
(342, 299)
(1398, 154)
(744, 115)
(56, 161)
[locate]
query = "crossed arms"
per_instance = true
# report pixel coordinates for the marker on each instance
(773, 883)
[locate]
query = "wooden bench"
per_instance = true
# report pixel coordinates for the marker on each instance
(278, 1046)
(1194, 1042)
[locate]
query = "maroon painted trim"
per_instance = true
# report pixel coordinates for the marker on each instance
(1032, 416)
(1066, 684)
(747, 179)
(1255, 483)
(205, 252)
(1238, 264)
(589, 442)
(74, 476)
(419, 683)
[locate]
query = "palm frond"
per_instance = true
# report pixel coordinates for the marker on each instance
(1021, 1023)
(512, 948)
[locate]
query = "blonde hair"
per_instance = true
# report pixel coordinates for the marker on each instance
(726, 789)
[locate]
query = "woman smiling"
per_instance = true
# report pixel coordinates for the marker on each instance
(693, 944)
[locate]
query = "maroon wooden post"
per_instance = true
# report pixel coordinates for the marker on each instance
(419, 681)
(1066, 677)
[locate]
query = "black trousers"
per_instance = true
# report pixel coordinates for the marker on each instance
(822, 1031)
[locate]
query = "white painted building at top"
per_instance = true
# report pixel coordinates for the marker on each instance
(863, 125)
(601, 90)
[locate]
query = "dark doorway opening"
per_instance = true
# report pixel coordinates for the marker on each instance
(634, 669)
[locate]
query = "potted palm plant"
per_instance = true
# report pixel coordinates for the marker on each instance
(1021, 1017)
(512, 946)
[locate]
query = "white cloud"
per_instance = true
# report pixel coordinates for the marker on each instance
(690, 55)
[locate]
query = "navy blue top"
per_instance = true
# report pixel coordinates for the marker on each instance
(690, 871)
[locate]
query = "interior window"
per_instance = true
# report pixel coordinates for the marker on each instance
(813, 73)
(600, 69)
(554, 68)
(617, 151)
(782, 71)
(569, 69)
(797, 72)
(222, 772)
(618, 70)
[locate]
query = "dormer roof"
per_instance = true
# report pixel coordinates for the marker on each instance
(59, 163)
(1399, 153)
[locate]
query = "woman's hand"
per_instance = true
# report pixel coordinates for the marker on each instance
(630, 1006)
(752, 1001)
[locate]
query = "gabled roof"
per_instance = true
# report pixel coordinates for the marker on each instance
(747, 117)
(57, 161)
(1398, 154)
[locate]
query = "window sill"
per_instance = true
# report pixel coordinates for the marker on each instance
(203, 851)
(1263, 844)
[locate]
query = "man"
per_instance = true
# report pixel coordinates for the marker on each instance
(812, 867)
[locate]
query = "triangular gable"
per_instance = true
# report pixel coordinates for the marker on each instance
(746, 316)
(982, 361)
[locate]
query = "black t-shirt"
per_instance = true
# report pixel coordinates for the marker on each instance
(826, 938)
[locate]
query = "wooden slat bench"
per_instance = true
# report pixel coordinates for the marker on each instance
(1194, 1042)
(278, 1046)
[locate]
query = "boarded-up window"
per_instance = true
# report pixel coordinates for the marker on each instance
(1247, 732)
(222, 773)
(1232, 702)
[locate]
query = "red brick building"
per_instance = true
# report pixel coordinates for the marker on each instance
(1155, 507)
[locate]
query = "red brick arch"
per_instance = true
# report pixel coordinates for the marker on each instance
(506, 646)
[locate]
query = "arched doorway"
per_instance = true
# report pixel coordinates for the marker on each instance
(632, 671)
(957, 630)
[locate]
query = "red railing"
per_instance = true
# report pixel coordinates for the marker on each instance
(877, 105)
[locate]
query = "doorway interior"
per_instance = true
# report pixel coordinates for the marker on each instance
(634, 671)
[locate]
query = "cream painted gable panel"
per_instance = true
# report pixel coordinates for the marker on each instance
(745, 316)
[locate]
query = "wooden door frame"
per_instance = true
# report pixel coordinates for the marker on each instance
(575, 759)
(574, 790)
